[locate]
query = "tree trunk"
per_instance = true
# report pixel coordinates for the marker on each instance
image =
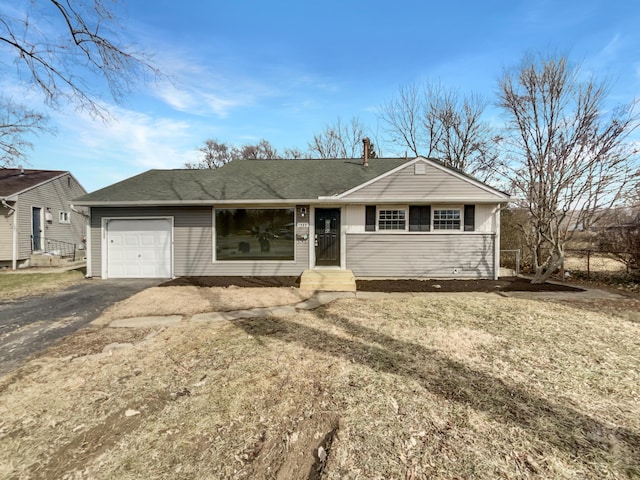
(543, 272)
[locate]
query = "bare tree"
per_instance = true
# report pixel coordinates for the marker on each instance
(86, 46)
(294, 153)
(433, 121)
(569, 156)
(16, 122)
(457, 134)
(403, 117)
(339, 140)
(262, 150)
(215, 154)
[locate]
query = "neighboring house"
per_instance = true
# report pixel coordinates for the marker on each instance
(377, 218)
(36, 215)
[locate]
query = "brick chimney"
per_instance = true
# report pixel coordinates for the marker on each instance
(365, 146)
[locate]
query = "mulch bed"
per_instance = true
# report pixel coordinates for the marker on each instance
(504, 284)
(233, 281)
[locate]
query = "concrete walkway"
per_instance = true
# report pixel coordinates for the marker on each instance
(592, 294)
(322, 298)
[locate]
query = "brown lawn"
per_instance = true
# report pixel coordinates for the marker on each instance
(438, 385)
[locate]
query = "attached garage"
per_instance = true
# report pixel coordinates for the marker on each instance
(137, 248)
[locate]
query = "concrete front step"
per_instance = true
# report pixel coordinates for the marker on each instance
(47, 260)
(44, 260)
(328, 280)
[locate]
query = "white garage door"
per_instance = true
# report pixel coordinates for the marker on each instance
(139, 248)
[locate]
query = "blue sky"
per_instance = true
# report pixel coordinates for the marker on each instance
(282, 70)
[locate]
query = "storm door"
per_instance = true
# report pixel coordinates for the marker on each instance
(36, 229)
(327, 236)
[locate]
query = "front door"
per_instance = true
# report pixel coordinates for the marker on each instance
(36, 229)
(327, 236)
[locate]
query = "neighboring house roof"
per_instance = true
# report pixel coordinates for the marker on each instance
(14, 181)
(249, 181)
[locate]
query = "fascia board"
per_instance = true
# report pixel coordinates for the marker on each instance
(307, 201)
(186, 203)
(427, 200)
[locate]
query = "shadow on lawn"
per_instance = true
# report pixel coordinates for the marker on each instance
(554, 424)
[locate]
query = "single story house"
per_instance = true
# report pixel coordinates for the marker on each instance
(381, 217)
(36, 215)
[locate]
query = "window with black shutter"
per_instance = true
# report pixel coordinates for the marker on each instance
(370, 220)
(419, 218)
(469, 218)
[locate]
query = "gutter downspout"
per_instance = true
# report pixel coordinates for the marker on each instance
(14, 247)
(87, 236)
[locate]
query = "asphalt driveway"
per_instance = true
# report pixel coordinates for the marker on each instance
(29, 325)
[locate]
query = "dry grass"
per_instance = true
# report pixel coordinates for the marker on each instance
(596, 263)
(192, 300)
(437, 386)
(15, 285)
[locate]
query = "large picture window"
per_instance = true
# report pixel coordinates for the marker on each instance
(255, 234)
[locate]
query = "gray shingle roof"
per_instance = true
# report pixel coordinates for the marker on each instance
(246, 180)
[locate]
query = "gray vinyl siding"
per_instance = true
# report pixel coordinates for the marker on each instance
(55, 195)
(193, 244)
(6, 234)
(485, 216)
(435, 184)
(432, 255)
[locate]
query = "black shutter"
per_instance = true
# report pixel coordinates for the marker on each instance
(419, 218)
(370, 220)
(469, 218)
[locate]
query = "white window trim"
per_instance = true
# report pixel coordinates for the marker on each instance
(384, 208)
(64, 217)
(459, 208)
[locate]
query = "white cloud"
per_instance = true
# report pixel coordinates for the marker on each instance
(131, 140)
(198, 101)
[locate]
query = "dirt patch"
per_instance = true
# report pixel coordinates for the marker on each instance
(84, 448)
(92, 340)
(301, 453)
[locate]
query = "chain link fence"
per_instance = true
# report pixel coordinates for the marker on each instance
(583, 262)
(598, 262)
